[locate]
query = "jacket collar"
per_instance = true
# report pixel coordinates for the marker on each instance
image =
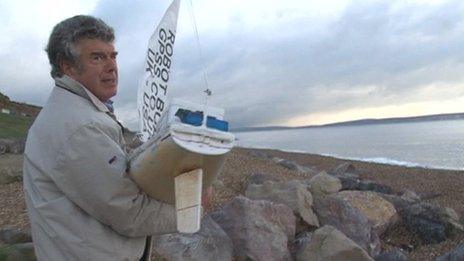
(71, 85)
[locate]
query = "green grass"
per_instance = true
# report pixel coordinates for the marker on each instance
(14, 126)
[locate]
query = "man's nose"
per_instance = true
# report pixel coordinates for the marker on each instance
(111, 64)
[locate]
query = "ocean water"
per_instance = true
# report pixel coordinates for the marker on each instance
(434, 144)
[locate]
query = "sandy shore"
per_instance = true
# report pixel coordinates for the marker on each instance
(446, 187)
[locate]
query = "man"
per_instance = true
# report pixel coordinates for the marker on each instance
(81, 202)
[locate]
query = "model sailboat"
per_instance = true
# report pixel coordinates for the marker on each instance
(184, 143)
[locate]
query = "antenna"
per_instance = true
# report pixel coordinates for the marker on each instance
(207, 91)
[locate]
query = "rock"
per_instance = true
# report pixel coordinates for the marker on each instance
(15, 146)
(11, 168)
(451, 218)
(18, 252)
(426, 221)
(379, 212)
(11, 235)
(410, 196)
(454, 255)
(260, 178)
(367, 185)
(3, 149)
(293, 165)
(398, 202)
(392, 255)
(301, 240)
(259, 229)
(340, 214)
(352, 183)
(294, 194)
(328, 243)
(343, 168)
(429, 195)
(210, 243)
(324, 184)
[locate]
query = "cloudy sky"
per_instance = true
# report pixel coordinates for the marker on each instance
(269, 62)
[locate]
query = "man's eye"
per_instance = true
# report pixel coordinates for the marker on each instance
(97, 57)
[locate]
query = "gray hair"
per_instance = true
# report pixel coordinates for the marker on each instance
(67, 33)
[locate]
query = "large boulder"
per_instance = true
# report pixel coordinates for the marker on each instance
(259, 229)
(11, 168)
(334, 211)
(379, 212)
(427, 221)
(454, 255)
(293, 194)
(328, 243)
(210, 243)
(324, 184)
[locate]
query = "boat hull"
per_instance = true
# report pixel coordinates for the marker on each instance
(155, 168)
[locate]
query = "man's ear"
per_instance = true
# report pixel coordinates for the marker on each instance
(68, 68)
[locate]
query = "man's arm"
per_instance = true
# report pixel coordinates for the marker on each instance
(91, 172)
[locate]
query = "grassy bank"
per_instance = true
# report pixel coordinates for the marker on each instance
(13, 126)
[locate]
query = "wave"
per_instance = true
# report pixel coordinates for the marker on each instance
(382, 160)
(378, 160)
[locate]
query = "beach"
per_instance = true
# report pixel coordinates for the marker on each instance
(442, 187)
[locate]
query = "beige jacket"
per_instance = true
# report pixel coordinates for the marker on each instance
(81, 202)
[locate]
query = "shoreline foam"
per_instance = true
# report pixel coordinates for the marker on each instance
(376, 160)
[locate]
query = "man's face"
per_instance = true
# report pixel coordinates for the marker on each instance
(96, 68)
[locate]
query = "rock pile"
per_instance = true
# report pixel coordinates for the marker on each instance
(335, 215)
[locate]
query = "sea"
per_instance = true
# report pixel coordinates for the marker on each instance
(428, 144)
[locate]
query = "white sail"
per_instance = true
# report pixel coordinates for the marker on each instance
(153, 90)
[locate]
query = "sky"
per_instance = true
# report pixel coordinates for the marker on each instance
(268, 62)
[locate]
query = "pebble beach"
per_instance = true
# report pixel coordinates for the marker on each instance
(441, 187)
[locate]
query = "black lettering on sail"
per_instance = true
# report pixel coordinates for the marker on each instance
(152, 103)
(146, 99)
(167, 62)
(165, 75)
(153, 84)
(158, 58)
(164, 87)
(162, 34)
(171, 37)
(160, 104)
(169, 49)
(161, 47)
(150, 64)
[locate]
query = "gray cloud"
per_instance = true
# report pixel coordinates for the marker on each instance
(375, 53)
